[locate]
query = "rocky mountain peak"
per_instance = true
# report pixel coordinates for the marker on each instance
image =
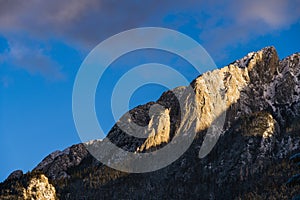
(252, 105)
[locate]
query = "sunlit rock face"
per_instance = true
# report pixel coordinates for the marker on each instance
(39, 188)
(158, 129)
(29, 186)
(236, 90)
(253, 106)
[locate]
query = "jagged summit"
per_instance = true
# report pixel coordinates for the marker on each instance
(258, 96)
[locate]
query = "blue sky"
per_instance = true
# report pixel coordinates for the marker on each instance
(43, 43)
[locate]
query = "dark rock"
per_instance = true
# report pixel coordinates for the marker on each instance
(295, 158)
(295, 180)
(15, 175)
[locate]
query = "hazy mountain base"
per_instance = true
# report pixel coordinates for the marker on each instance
(250, 160)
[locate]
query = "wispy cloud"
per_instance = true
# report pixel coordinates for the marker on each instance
(231, 24)
(273, 13)
(33, 59)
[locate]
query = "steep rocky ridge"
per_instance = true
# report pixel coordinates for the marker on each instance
(258, 97)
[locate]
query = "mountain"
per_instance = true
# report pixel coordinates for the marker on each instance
(257, 98)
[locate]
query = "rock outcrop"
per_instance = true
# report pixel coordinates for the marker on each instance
(39, 188)
(32, 186)
(56, 164)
